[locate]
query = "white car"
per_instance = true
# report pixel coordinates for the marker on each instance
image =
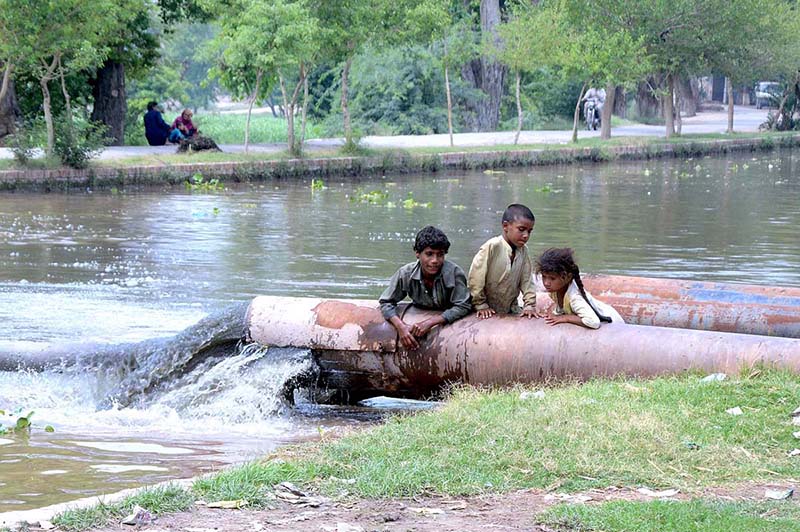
(767, 93)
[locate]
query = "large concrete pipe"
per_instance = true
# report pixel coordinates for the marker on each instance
(741, 308)
(358, 351)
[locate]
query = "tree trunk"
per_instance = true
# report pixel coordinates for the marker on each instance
(576, 116)
(111, 101)
(647, 105)
(690, 96)
(304, 115)
(519, 108)
(9, 111)
(487, 75)
(621, 102)
(48, 115)
(669, 116)
(348, 132)
(67, 100)
(729, 89)
(289, 115)
(6, 83)
(677, 108)
(250, 111)
(290, 103)
(449, 104)
(608, 108)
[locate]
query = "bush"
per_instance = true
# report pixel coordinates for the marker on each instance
(77, 143)
(24, 143)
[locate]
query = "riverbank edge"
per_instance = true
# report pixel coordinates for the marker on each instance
(393, 161)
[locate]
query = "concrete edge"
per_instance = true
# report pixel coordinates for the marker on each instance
(47, 513)
(47, 180)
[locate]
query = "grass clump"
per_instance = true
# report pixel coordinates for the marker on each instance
(159, 500)
(668, 432)
(675, 516)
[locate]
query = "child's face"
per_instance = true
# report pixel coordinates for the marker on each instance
(554, 282)
(517, 232)
(431, 260)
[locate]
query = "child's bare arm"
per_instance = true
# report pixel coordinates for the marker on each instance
(528, 289)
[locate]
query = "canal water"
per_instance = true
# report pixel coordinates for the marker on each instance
(132, 265)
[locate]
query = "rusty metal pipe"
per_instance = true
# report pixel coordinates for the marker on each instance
(357, 349)
(728, 307)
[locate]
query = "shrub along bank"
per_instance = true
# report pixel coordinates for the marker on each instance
(177, 169)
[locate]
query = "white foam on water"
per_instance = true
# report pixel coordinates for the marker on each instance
(50, 472)
(120, 468)
(4, 441)
(133, 447)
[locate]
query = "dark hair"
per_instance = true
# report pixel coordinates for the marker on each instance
(431, 237)
(516, 211)
(559, 261)
(151, 105)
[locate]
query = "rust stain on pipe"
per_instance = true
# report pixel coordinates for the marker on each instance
(365, 356)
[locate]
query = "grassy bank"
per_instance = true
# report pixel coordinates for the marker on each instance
(659, 516)
(671, 432)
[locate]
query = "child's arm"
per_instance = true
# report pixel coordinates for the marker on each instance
(583, 314)
(389, 299)
(528, 289)
(477, 282)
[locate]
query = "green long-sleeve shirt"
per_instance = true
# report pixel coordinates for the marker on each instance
(449, 292)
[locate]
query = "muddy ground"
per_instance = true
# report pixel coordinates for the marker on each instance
(514, 511)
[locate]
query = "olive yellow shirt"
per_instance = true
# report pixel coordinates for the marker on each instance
(495, 281)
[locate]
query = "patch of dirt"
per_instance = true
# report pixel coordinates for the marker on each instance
(515, 511)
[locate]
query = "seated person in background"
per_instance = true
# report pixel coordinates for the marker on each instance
(432, 283)
(182, 127)
(561, 277)
(155, 128)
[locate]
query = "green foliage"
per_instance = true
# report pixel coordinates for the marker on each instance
(17, 423)
(77, 143)
(198, 183)
(317, 184)
(372, 197)
(25, 142)
(398, 91)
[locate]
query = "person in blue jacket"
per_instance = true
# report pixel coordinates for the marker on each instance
(155, 128)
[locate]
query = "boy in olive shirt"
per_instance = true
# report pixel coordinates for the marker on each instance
(432, 283)
(502, 268)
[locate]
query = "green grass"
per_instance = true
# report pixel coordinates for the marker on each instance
(229, 128)
(669, 432)
(675, 516)
(158, 501)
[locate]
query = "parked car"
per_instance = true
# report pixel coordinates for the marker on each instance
(767, 93)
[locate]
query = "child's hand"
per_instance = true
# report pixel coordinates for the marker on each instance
(486, 313)
(421, 328)
(407, 338)
(531, 313)
(555, 319)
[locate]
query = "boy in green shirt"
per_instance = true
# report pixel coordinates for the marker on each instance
(432, 283)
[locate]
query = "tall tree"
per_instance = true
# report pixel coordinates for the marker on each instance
(51, 39)
(532, 38)
(486, 73)
(262, 42)
(133, 49)
(348, 26)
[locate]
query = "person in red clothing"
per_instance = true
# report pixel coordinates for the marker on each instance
(182, 127)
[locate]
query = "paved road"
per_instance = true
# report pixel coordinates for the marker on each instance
(746, 119)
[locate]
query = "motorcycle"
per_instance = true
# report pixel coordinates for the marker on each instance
(591, 113)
